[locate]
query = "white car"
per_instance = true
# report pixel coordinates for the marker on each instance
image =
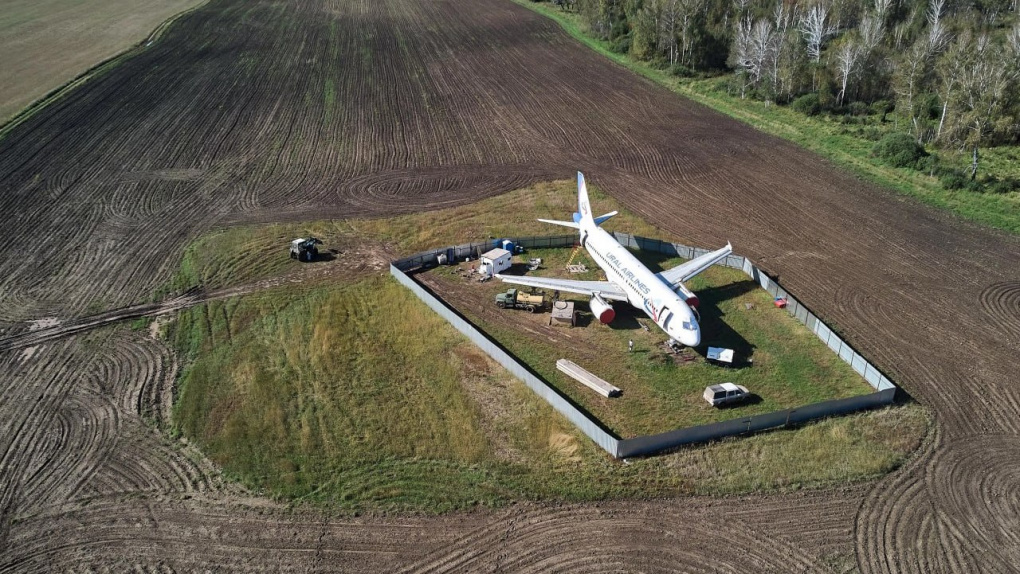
(724, 394)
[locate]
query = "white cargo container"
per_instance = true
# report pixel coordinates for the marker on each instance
(494, 261)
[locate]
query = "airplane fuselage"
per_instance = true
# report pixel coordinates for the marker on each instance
(644, 289)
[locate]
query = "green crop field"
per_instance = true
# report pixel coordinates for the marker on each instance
(352, 393)
(46, 43)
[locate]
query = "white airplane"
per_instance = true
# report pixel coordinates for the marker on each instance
(662, 296)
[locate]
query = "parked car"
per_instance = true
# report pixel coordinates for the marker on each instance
(725, 394)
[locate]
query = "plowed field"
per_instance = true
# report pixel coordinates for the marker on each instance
(258, 111)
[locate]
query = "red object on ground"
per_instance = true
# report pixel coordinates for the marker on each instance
(781, 302)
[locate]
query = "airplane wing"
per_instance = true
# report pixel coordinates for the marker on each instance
(605, 289)
(685, 271)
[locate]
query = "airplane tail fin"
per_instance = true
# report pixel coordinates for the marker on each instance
(583, 217)
(583, 205)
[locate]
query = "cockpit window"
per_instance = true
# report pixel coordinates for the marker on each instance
(688, 326)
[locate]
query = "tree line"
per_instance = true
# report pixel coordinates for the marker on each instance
(947, 71)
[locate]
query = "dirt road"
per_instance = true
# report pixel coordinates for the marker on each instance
(261, 111)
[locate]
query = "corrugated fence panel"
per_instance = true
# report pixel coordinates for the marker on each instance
(872, 375)
(838, 407)
(734, 261)
(802, 313)
(885, 384)
(655, 443)
(587, 426)
(650, 444)
(858, 362)
(835, 343)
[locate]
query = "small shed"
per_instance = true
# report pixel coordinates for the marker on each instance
(563, 313)
(494, 261)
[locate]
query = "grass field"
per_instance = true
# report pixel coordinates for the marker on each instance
(845, 145)
(354, 394)
(789, 366)
(46, 43)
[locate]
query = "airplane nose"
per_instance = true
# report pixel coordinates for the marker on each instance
(688, 338)
(692, 339)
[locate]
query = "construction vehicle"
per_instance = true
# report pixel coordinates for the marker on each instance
(304, 248)
(515, 299)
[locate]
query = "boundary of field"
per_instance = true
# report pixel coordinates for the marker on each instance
(93, 71)
(885, 390)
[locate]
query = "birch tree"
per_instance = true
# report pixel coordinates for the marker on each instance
(783, 18)
(881, 10)
(987, 77)
(688, 23)
(915, 68)
(753, 46)
(848, 59)
(816, 30)
(870, 32)
(669, 25)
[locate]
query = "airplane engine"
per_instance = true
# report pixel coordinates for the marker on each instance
(688, 296)
(602, 309)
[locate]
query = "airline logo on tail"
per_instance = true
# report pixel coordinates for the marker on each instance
(583, 207)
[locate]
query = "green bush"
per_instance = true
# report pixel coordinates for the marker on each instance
(882, 107)
(899, 150)
(621, 45)
(1007, 185)
(871, 133)
(682, 71)
(954, 179)
(808, 104)
(858, 109)
(928, 164)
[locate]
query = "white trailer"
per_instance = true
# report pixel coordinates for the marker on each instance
(494, 261)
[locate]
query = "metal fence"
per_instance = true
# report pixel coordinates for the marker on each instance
(650, 444)
(884, 393)
(474, 250)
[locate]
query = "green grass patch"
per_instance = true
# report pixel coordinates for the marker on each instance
(354, 394)
(360, 397)
(845, 145)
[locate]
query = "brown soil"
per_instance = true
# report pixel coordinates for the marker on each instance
(259, 111)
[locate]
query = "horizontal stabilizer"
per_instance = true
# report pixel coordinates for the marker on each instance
(569, 224)
(600, 219)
